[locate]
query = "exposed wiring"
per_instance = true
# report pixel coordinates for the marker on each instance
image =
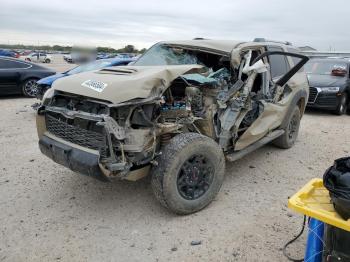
(291, 241)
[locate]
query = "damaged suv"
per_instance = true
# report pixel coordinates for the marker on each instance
(176, 113)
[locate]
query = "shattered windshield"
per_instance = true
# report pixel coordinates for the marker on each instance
(162, 54)
(323, 67)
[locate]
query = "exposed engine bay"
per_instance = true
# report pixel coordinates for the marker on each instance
(221, 100)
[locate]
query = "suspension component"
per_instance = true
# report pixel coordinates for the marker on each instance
(165, 138)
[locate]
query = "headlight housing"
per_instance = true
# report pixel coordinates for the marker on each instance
(48, 95)
(330, 89)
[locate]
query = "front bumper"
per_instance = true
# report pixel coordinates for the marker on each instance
(322, 100)
(80, 161)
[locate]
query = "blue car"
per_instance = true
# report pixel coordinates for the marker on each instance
(44, 84)
(8, 53)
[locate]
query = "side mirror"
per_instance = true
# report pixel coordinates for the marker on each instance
(338, 72)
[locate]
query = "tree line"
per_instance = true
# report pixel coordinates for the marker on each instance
(60, 48)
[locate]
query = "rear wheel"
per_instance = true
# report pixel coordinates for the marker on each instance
(290, 135)
(343, 105)
(189, 174)
(29, 87)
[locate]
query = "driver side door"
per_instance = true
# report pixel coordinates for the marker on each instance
(286, 83)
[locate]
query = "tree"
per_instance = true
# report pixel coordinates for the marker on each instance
(142, 50)
(130, 49)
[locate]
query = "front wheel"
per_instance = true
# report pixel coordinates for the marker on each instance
(47, 60)
(189, 173)
(287, 140)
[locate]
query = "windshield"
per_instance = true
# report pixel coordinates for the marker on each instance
(323, 67)
(162, 54)
(89, 67)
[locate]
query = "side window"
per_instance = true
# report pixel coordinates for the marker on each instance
(278, 63)
(9, 64)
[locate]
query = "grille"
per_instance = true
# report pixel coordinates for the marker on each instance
(327, 100)
(312, 95)
(74, 134)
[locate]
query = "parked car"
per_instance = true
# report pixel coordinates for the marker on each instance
(25, 53)
(67, 58)
(20, 77)
(329, 84)
(8, 53)
(176, 113)
(125, 55)
(103, 56)
(45, 83)
(38, 57)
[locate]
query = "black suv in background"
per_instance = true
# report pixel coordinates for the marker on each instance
(329, 84)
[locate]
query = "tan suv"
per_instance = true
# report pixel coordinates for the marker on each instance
(177, 113)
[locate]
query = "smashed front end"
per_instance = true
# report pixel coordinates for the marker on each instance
(97, 139)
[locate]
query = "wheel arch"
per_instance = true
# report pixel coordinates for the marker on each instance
(27, 77)
(300, 100)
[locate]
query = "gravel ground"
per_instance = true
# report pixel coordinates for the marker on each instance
(49, 213)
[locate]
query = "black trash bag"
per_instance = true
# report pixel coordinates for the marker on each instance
(337, 181)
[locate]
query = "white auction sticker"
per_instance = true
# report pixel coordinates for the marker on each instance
(98, 86)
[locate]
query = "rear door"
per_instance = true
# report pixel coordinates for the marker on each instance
(10, 75)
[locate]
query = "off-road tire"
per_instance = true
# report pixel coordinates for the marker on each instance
(343, 105)
(165, 175)
(26, 87)
(290, 135)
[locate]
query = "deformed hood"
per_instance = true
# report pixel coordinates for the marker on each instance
(316, 80)
(123, 83)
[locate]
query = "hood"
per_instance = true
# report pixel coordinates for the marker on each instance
(50, 79)
(325, 80)
(123, 83)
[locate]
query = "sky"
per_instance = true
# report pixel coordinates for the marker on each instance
(114, 23)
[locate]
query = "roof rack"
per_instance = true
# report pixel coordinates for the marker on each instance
(261, 39)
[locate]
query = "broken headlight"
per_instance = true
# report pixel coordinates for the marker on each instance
(48, 95)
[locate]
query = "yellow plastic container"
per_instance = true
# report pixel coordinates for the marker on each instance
(313, 200)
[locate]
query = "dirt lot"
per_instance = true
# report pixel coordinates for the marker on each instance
(49, 213)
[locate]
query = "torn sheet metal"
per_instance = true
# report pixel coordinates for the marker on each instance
(269, 119)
